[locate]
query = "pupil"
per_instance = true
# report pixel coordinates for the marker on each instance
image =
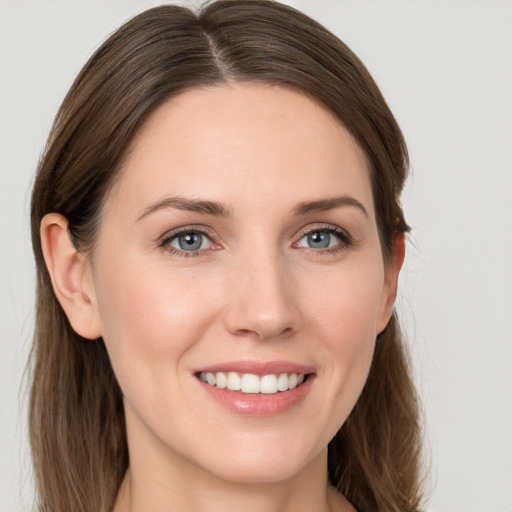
(319, 239)
(190, 241)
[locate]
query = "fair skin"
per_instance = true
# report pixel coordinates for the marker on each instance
(277, 269)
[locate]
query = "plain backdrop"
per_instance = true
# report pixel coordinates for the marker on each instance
(445, 68)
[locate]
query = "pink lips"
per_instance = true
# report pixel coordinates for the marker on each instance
(258, 405)
(258, 367)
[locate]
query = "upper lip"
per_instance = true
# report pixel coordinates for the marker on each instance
(258, 367)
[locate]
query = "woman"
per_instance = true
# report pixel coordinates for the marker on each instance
(218, 236)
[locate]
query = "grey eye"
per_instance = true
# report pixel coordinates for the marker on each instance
(320, 239)
(190, 241)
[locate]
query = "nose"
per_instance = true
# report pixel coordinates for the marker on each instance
(261, 302)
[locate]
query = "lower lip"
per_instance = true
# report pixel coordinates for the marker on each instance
(259, 404)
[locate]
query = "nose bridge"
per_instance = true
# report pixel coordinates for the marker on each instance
(262, 301)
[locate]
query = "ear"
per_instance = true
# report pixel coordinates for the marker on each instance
(392, 270)
(71, 276)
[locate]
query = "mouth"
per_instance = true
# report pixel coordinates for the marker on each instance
(257, 389)
(250, 383)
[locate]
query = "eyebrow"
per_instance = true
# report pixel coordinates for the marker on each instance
(323, 205)
(191, 205)
(219, 210)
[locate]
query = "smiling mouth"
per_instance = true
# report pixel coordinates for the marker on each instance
(253, 384)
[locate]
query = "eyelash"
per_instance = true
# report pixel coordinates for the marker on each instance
(345, 238)
(170, 237)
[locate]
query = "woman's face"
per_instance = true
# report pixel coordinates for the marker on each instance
(240, 247)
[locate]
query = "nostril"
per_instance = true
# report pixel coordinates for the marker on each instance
(265, 333)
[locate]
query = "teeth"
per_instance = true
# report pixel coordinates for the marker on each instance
(282, 382)
(234, 382)
(268, 384)
(221, 380)
(250, 383)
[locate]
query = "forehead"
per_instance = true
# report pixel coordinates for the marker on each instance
(243, 140)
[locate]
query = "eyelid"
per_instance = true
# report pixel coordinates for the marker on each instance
(346, 240)
(342, 233)
(165, 240)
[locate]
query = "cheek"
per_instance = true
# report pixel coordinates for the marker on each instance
(149, 320)
(344, 310)
(340, 315)
(347, 301)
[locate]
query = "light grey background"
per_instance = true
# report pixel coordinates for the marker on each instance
(446, 69)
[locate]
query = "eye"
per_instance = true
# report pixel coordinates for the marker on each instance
(324, 238)
(188, 241)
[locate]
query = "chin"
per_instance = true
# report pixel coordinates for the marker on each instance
(268, 472)
(266, 464)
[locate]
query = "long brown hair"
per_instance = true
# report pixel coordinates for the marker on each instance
(77, 428)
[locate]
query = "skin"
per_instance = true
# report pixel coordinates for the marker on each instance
(256, 290)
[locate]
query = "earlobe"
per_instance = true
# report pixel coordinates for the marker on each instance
(392, 271)
(71, 276)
